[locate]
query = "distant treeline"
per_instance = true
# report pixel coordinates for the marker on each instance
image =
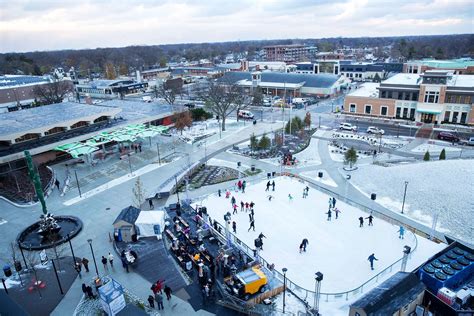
(126, 59)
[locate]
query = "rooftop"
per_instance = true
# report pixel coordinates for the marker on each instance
(48, 115)
(309, 80)
(137, 110)
(391, 295)
(403, 79)
(10, 81)
(128, 214)
(447, 63)
(368, 89)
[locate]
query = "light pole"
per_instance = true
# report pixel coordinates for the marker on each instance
(404, 195)
(158, 151)
(398, 130)
(177, 189)
(318, 277)
(77, 182)
(130, 163)
(93, 256)
(380, 142)
(72, 250)
(284, 287)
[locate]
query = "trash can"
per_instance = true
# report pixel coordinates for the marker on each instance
(252, 168)
(254, 122)
(320, 174)
(373, 196)
(269, 175)
(7, 270)
(273, 173)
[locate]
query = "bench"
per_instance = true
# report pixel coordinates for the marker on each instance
(183, 222)
(170, 235)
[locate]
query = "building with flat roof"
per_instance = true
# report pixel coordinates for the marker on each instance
(109, 89)
(289, 53)
(18, 91)
(435, 96)
(290, 84)
(461, 66)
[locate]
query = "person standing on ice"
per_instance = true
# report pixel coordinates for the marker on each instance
(304, 193)
(273, 185)
(241, 206)
(261, 236)
(361, 221)
(290, 198)
(251, 214)
(337, 211)
(370, 218)
(372, 258)
(305, 243)
(402, 232)
(234, 227)
(244, 184)
(330, 202)
(333, 202)
(252, 225)
(235, 209)
(268, 186)
(329, 214)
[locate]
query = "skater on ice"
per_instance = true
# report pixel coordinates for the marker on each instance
(361, 221)
(333, 202)
(268, 186)
(372, 258)
(329, 214)
(273, 185)
(304, 243)
(337, 211)
(270, 197)
(251, 205)
(234, 227)
(370, 218)
(244, 184)
(232, 200)
(252, 225)
(402, 232)
(290, 198)
(246, 206)
(241, 206)
(235, 209)
(261, 236)
(330, 203)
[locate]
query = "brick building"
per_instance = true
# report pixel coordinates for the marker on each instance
(435, 96)
(288, 53)
(462, 66)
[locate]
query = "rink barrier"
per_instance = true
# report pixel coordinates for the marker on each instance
(304, 295)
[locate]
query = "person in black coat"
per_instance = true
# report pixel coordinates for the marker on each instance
(370, 218)
(305, 243)
(361, 221)
(168, 292)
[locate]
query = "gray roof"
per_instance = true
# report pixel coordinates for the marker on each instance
(136, 110)
(128, 214)
(310, 80)
(12, 80)
(391, 295)
(28, 119)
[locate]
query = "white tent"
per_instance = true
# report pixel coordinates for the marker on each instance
(150, 223)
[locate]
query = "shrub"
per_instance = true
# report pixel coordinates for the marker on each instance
(199, 114)
(426, 157)
(442, 155)
(350, 157)
(264, 142)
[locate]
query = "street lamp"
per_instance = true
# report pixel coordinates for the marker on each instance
(130, 163)
(404, 195)
(284, 287)
(93, 256)
(318, 277)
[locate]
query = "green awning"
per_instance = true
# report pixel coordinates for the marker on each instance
(429, 111)
(84, 150)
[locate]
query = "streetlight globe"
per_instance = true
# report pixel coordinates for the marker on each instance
(89, 241)
(284, 270)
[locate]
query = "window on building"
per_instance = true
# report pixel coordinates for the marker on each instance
(406, 96)
(398, 112)
(431, 97)
(405, 113)
(447, 114)
(389, 94)
(383, 94)
(414, 96)
(352, 108)
(455, 117)
(368, 109)
(463, 118)
(383, 110)
(412, 113)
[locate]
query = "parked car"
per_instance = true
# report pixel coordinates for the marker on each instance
(190, 105)
(347, 127)
(375, 130)
(448, 136)
(469, 141)
(245, 114)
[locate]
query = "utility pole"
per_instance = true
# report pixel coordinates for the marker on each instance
(77, 182)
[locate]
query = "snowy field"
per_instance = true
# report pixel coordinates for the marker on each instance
(435, 148)
(443, 187)
(326, 179)
(338, 248)
(306, 158)
(226, 163)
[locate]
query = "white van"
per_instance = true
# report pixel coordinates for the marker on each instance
(245, 114)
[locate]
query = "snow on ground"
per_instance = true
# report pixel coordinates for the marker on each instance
(338, 248)
(434, 148)
(337, 156)
(326, 179)
(225, 163)
(445, 187)
(310, 155)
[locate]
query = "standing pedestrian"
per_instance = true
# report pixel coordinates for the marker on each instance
(159, 300)
(244, 184)
(329, 214)
(268, 186)
(78, 268)
(246, 206)
(370, 218)
(337, 211)
(124, 263)
(304, 193)
(305, 243)
(56, 183)
(371, 259)
(234, 227)
(402, 232)
(104, 262)
(273, 185)
(168, 292)
(219, 192)
(242, 206)
(84, 288)
(361, 221)
(89, 292)
(150, 202)
(111, 259)
(151, 301)
(333, 202)
(330, 202)
(252, 225)
(232, 200)
(85, 262)
(235, 209)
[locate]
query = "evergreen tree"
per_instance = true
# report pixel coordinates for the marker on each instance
(264, 142)
(253, 142)
(442, 155)
(350, 157)
(307, 120)
(426, 157)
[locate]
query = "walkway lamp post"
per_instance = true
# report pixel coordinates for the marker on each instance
(72, 250)
(130, 163)
(93, 256)
(404, 196)
(158, 151)
(77, 182)
(318, 277)
(284, 288)
(177, 189)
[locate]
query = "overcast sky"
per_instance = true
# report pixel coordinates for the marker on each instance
(29, 25)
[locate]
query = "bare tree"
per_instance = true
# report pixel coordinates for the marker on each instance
(223, 98)
(138, 193)
(182, 120)
(53, 92)
(169, 95)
